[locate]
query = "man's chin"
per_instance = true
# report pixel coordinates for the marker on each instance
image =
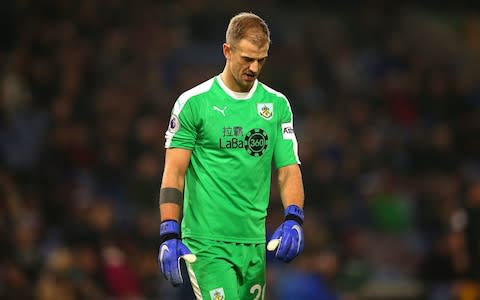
(248, 84)
(245, 85)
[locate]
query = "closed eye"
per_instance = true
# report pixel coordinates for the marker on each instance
(250, 59)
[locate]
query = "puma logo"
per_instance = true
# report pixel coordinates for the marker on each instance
(222, 111)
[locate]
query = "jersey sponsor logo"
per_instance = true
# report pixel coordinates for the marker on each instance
(265, 110)
(232, 143)
(232, 138)
(255, 142)
(287, 131)
(217, 294)
(222, 111)
(173, 124)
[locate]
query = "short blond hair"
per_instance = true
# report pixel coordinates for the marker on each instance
(247, 26)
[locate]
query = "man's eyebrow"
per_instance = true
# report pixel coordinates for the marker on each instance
(249, 57)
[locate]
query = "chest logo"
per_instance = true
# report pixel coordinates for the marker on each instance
(222, 111)
(265, 110)
(255, 142)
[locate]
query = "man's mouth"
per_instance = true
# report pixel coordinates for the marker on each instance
(249, 76)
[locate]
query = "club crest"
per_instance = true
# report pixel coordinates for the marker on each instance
(217, 294)
(265, 110)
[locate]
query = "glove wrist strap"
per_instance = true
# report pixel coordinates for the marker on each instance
(169, 236)
(169, 229)
(295, 213)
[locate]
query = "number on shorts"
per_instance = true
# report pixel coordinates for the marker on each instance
(258, 291)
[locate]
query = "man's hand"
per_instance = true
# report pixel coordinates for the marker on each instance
(288, 238)
(171, 251)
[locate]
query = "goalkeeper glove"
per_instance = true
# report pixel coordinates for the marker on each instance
(288, 239)
(171, 251)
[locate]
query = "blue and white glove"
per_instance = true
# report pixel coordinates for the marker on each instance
(288, 239)
(171, 251)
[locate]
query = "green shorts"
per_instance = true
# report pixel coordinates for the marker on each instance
(227, 271)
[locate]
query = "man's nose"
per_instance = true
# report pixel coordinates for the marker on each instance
(254, 66)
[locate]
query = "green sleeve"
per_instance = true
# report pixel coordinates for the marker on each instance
(182, 130)
(286, 146)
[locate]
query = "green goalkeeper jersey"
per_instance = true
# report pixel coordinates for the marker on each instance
(235, 138)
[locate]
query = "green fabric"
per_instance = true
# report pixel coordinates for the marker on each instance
(234, 143)
(232, 270)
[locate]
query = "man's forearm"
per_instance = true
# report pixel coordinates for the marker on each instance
(291, 186)
(170, 211)
(170, 202)
(173, 183)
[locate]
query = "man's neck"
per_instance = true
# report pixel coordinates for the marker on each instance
(230, 83)
(232, 93)
(228, 80)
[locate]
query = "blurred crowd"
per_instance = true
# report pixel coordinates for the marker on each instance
(386, 99)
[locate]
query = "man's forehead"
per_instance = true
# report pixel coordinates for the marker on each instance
(247, 48)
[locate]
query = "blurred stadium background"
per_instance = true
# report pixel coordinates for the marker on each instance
(386, 97)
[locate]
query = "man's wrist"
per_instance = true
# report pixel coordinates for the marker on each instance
(295, 213)
(169, 229)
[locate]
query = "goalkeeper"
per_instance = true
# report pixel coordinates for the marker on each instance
(223, 138)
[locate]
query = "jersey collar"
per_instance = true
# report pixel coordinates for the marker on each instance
(237, 95)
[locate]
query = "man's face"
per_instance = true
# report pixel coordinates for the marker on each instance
(245, 60)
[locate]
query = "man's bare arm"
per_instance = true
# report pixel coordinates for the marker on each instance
(173, 182)
(291, 185)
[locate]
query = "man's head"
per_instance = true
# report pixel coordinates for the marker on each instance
(245, 49)
(247, 26)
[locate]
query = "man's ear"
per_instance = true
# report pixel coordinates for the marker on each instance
(227, 50)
